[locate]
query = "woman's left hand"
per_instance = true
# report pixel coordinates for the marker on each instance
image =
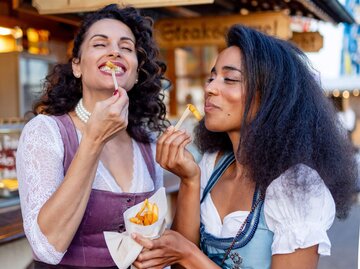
(169, 249)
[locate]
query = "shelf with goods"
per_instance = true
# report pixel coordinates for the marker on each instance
(10, 130)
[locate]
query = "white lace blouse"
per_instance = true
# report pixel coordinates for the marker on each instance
(298, 219)
(39, 164)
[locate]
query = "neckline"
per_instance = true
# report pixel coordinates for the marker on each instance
(108, 178)
(238, 213)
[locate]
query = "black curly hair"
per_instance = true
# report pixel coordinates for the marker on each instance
(295, 122)
(147, 111)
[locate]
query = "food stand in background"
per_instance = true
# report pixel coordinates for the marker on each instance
(345, 93)
(9, 137)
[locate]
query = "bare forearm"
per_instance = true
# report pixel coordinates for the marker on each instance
(61, 215)
(187, 217)
(196, 259)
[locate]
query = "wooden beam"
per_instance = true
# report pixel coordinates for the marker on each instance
(63, 19)
(58, 31)
(183, 12)
(69, 6)
(170, 74)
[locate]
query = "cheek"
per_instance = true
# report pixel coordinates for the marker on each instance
(233, 109)
(135, 64)
(233, 102)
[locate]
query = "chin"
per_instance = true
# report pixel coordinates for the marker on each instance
(214, 126)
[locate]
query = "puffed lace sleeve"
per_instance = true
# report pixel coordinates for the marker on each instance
(39, 165)
(299, 209)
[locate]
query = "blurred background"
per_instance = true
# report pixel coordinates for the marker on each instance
(35, 35)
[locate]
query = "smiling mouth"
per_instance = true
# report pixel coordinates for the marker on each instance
(118, 70)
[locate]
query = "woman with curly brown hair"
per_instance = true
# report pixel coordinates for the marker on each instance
(88, 154)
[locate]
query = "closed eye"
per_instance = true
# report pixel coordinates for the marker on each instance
(126, 48)
(209, 80)
(231, 80)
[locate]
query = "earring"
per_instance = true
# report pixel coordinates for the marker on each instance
(136, 81)
(77, 75)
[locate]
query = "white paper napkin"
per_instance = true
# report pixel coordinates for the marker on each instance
(123, 249)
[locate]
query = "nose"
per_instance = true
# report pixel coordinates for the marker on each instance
(211, 88)
(114, 51)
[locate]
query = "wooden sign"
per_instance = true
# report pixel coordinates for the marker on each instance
(68, 6)
(171, 33)
(308, 41)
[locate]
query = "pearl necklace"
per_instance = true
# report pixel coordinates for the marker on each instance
(81, 112)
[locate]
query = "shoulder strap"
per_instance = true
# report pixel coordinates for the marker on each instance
(224, 162)
(69, 137)
(146, 152)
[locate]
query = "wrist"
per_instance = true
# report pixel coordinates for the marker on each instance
(190, 256)
(92, 144)
(192, 181)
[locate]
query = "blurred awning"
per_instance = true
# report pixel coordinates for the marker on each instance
(335, 10)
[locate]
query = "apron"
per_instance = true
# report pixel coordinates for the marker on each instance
(252, 250)
(104, 211)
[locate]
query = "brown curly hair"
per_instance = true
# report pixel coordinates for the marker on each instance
(147, 111)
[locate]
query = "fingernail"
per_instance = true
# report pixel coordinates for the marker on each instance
(170, 128)
(116, 92)
(133, 236)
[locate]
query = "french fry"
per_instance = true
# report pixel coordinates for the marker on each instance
(147, 215)
(195, 112)
(189, 109)
(112, 67)
(155, 213)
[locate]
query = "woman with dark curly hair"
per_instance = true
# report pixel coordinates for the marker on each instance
(276, 169)
(88, 154)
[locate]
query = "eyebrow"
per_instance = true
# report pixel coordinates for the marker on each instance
(231, 68)
(106, 37)
(227, 68)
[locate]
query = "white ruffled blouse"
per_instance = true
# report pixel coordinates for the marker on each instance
(39, 165)
(299, 218)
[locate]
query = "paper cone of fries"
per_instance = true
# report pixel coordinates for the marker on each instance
(149, 216)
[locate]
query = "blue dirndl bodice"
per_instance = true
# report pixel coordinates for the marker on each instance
(253, 246)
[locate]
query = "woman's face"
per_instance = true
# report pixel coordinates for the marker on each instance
(107, 40)
(225, 93)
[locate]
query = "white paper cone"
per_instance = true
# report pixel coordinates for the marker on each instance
(123, 249)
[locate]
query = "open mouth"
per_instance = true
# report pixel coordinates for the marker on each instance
(118, 70)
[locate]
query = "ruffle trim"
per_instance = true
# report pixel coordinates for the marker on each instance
(288, 239)
(42, 249)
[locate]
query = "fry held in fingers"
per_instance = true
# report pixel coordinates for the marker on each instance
(113, 67)
(147, 215)
(190, 108)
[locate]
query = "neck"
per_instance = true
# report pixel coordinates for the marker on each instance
(90, 97)
(235, 140)
(238, 170)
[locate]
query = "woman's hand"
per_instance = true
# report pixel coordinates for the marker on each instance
(169, 249)
(108, 117)
(172, 155)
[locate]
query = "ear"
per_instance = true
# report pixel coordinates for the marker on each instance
(75, 64)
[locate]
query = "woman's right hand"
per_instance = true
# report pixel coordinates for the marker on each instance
(167, 250)
(172, 155)
(108, 117)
